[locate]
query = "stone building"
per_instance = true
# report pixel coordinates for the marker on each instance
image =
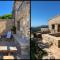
(54, 24)
(45, 30)
(21, 15)
(53, 39)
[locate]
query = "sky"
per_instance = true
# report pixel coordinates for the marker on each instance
(6, 7)
(42, 11)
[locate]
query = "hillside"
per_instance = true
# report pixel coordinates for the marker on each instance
(35, 29)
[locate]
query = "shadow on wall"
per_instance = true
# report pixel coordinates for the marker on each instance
(5, 25)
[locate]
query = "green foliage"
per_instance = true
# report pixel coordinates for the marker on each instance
(42, 53)
(0, 16)
(13, 29)
(35, 50)
(35, 29)
(32, 50)
(6, 16)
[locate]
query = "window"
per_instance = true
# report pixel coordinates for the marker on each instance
(18, 25)
(53, 26)
(58, 43)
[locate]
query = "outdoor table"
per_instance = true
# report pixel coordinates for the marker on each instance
(7, 49)
(12, 49)
(3, 49)
(8, 57)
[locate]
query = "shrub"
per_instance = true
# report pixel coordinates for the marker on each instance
(14, 29)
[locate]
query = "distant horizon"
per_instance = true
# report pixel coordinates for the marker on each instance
(39, 25)
(42, 11)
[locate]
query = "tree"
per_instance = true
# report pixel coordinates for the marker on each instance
(37, 52)
(6, 16)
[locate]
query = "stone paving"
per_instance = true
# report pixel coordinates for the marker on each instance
(25, 47)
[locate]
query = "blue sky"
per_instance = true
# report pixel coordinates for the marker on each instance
(5, 7)
(42, 11)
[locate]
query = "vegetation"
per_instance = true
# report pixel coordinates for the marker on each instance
(36, 52)
(6, 16)
(32, 50)
(13, 29)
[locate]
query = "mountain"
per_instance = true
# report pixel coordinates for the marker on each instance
(35, 29)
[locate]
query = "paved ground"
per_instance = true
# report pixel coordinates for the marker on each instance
(25, 43)
(11, 42)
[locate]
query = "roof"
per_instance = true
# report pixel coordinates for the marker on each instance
(54, 17)
(54, 20)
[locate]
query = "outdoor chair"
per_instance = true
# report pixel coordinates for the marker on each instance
(6, 50)
(4, 35)
(8, 36)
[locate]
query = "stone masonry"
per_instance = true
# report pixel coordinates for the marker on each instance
(53, 39)
(54, 21)
(5, 24)
(22, 23)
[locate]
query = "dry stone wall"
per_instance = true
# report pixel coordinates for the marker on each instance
(5, 25)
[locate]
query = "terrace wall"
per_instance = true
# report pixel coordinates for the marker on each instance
(48, 38)
(5, 24)
(55, 47)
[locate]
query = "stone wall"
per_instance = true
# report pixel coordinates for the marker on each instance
(22, 15)
(53, 49)
(5, 24)
(49, 38)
